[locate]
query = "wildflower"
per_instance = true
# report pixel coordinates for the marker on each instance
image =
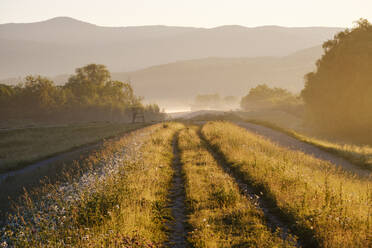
(4, 244)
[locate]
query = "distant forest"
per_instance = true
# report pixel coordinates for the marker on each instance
(89, 95)
(214, 101)
(263, 97)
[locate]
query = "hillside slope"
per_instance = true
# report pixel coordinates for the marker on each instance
(61, 44)
(181, 81)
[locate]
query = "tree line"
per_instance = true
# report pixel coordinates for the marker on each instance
(89, 95)
(263, 97)
(337, 97)
(338, 94)
(214, 101)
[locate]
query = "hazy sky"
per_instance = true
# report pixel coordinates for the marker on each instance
(201, 13)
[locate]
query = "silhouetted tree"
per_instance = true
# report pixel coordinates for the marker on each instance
(89, 94)
(264, 97)
(338, 95)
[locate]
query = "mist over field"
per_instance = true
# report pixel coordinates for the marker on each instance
(185, 124)
(184, 60)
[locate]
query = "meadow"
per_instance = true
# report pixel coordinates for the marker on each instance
(219, 214)
(328, 206)
(358, 154)
(240, 190)
(23, 146)
(118, 202)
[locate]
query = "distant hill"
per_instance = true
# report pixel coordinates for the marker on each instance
(181, 81)
(62, 44)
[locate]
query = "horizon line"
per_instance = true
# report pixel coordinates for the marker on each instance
(166, 25)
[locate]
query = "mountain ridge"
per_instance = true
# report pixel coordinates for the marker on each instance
(156, 56)
(177, 83)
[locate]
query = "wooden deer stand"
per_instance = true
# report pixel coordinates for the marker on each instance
(138, 115)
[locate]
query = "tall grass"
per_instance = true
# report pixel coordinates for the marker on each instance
(360, 155)
(21, 147)
(220, 216)
(120, 202)
(317, 197)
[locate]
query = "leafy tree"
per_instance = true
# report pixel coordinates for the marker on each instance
(6, 93)
(88, 83)
(264, 97)
(90, 94)
(38, 95)
(338, 95)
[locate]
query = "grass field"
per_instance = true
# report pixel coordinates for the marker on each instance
(357, 154)
(220, 216)
(21, 147)
(121, 205)
(324, 203)
(240, 190)
(360, 155)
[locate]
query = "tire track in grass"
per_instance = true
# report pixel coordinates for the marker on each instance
(220, 216)
(177, 237)
(274, 218)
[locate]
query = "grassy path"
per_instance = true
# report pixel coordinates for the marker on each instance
(321, 201)
(178, 232)
(219, 214)
(20, 148)
(346, 155)
(274, 218)
(124, 204)
(171, 185)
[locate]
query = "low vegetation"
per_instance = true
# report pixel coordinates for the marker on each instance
(121, 195)
(330, 207)
(360, 155)
(20, 147)
(120, 202)
(220, 216)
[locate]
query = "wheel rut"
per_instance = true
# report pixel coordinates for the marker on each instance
(178, 230)
(274, 219)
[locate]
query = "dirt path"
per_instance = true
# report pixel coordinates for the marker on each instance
(287, 141)
(177, 238)
(46, 162)
(13, 183)
(273, 216)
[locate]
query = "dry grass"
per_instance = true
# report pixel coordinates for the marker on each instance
(278, 117)
(360, 155)
(120, 202)
(21, 147)
(220, 216)
(319, 199)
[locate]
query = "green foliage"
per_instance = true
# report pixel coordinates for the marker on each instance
(89, 94)
(338, 95)
(264, 97)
